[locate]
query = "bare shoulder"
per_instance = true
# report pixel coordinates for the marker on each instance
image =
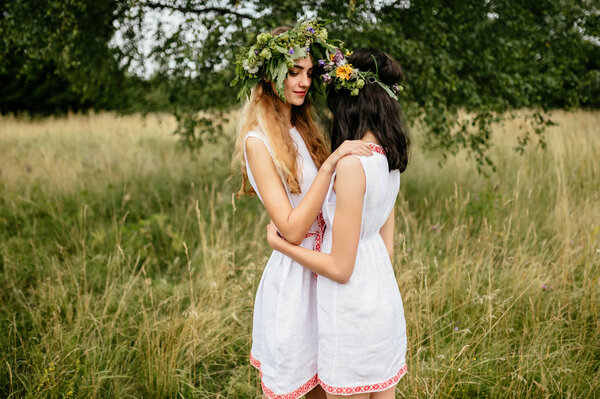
(256, 146)
(350, 174)
(349, 165)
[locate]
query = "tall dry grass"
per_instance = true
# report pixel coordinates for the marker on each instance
(128, 269)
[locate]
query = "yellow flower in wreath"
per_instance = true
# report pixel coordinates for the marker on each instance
(344, 71)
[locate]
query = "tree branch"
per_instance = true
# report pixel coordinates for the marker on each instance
(193, 10)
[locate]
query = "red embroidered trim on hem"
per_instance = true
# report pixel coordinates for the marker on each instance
(308, 385)
(365, 388)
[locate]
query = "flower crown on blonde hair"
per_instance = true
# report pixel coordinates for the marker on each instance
(271, 57)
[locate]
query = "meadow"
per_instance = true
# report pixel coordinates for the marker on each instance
(128, 268)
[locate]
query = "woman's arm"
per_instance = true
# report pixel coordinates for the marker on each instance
(338, 266)
(387, 233)
(294, 223)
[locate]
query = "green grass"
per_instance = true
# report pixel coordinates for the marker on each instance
(128, 268)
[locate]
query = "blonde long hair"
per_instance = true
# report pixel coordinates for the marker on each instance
(264, 114)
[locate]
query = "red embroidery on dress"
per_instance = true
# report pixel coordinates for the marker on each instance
(377, 148)
(310, 384)
(318, 234)
(365, 388)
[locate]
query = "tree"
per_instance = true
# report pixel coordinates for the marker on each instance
(486, 57)
(56, 54)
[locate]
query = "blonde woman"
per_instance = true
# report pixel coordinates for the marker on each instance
(285, 159)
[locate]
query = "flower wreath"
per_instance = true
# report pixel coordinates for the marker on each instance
(271, 57)
(344, 76)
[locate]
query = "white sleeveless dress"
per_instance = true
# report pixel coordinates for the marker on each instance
(362, 331)
(284, 330)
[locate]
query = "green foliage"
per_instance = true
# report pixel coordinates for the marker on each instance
(60, 43)
(483, 57)
(128, 269)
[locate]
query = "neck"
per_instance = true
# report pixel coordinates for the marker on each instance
(369, 137)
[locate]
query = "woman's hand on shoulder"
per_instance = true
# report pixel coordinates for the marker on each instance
(348, 147)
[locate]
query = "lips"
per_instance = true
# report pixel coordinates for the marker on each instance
(300, 93)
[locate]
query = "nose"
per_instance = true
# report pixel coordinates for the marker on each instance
(306, 79)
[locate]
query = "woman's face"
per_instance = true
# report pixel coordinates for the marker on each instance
(298, 81)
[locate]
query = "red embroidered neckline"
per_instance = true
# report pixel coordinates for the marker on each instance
(314, 381)
(377, 148)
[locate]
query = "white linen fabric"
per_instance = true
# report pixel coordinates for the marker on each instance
(361, 326)
(284, 330)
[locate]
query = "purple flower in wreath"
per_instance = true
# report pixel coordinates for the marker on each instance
(396, 88)
(326, 77)
(338, 58)
(321, 62)
(310, 29)
(291, 51)
(255, 51)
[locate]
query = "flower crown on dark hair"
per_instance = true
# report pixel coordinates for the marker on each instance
(342, 75)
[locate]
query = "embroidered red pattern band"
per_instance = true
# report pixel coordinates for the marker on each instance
(310, 384)
(318, 234)
(377, 148)
(365, 388)
(307, 387)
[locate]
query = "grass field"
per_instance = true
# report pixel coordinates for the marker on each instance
(128, 269)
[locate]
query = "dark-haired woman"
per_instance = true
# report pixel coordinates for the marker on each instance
(362, 332)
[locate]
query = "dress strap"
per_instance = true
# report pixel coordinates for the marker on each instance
(249, 171)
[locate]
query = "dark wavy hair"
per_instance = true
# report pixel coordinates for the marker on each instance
(372, 109)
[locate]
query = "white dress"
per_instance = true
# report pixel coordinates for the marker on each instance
(362, 332)
(284, 330)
